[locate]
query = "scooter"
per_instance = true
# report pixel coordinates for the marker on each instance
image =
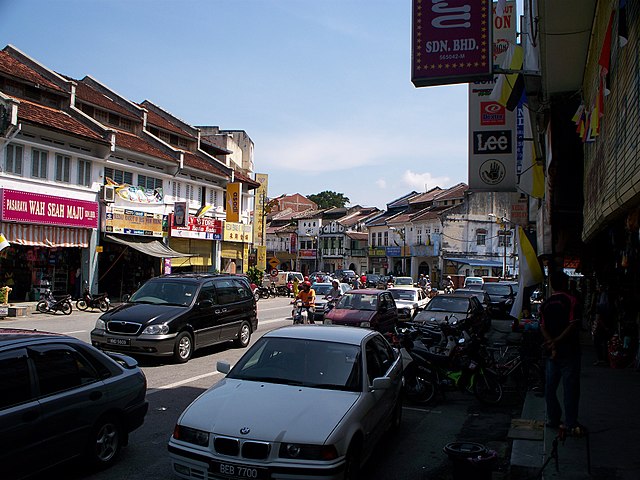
(300, 313)
(50, 304)
(100, 301)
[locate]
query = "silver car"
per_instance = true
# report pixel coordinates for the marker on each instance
(304, 402)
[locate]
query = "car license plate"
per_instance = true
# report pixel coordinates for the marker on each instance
(118, 341)
(234, 471)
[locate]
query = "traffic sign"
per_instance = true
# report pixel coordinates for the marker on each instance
(274, 272)
(274, 262)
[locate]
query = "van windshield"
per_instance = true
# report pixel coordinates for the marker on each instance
(165, 292)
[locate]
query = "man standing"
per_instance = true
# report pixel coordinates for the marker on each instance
(560, 327)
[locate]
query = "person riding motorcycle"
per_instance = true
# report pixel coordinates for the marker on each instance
(448, 285)
(334, 292)
(308, 297)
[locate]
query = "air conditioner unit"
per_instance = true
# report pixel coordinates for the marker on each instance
(108, 194)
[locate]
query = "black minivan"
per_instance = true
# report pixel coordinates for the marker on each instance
(174, 315)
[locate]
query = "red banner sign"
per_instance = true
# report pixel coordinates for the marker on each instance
(27, 207)
(451, 41)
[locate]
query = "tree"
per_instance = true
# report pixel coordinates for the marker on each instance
(328, 199)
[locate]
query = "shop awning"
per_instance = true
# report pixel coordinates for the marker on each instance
(148, 246)
(45, 235)
(476, 262)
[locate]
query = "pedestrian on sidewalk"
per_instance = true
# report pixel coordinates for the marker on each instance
(560, 327)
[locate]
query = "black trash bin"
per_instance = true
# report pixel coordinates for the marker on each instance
(470, 460)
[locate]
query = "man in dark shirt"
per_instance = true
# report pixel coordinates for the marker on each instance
(560, 328)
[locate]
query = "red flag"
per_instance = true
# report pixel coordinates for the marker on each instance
(605, 53)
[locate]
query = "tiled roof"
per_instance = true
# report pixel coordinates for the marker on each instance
(401, 218)
(133, 142)
(430, 213)
(92, 96)
(55, 119)
(427, 196)
(383, 219)
(358, 235)
(402, 201)
(246, 180)
(17, 69)
(457, 191)
(192, 160)
(159, 121)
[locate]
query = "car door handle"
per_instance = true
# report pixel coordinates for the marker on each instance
(223, 310)
(95, 396)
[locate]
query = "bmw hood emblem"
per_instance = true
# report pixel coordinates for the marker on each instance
(245, 430)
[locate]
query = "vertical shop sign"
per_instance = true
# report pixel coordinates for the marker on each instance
(451, 41)
(233, 202)
(259, 209)
(492, 128)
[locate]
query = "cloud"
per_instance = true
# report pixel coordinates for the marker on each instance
(424, 181)
(381, 183)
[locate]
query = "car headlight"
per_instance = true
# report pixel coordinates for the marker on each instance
(162, 329)
(100, 325)
(191, 435)
(365, 324)
(308, 452)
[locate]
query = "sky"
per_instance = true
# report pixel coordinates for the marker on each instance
(323, 88)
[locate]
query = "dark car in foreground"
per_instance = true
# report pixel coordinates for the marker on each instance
(173, 315)
(461, 308)
(501, 296)
(62, 399)
(368, 308)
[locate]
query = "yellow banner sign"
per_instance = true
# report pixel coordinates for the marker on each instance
(233, 202)
(237, 232)
(261, 261)
(258, 209)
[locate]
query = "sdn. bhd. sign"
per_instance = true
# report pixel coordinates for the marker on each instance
(451, 41)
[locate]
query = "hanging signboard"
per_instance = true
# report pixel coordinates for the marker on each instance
(451, 41)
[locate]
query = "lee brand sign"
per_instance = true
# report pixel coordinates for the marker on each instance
(26, 207)
(451, 41)
(492, 134)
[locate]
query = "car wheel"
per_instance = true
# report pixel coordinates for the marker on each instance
(105, 443)
(352, 463)
(244, 336)
(66, 308)
(81, 304)
(183, 348)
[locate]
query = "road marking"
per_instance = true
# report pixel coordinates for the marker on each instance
(75, 331)
(274, 308)
(181, 382)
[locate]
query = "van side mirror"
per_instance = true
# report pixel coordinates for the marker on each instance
(126, 297)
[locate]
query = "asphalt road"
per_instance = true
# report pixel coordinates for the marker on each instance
(414, 451)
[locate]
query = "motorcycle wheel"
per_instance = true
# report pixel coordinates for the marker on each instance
(66, 308)
(418, 387)
(103, 305)
(256, 295)
(487, 388)
(81, 305)
(42, 306)
(264, 293)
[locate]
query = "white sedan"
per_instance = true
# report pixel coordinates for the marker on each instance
(409, 300)
(304, 402)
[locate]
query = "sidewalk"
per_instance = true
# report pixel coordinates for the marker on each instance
(609, 409)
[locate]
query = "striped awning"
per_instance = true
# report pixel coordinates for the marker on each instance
(45, 235)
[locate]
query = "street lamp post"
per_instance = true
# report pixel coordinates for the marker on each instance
(503, 222)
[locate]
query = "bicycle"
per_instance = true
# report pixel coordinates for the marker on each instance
(517, 372)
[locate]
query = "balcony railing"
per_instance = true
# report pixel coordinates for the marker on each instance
(333, 252)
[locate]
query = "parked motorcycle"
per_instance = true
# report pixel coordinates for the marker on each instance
(50, 304)
(428, 374)
(100, 301)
